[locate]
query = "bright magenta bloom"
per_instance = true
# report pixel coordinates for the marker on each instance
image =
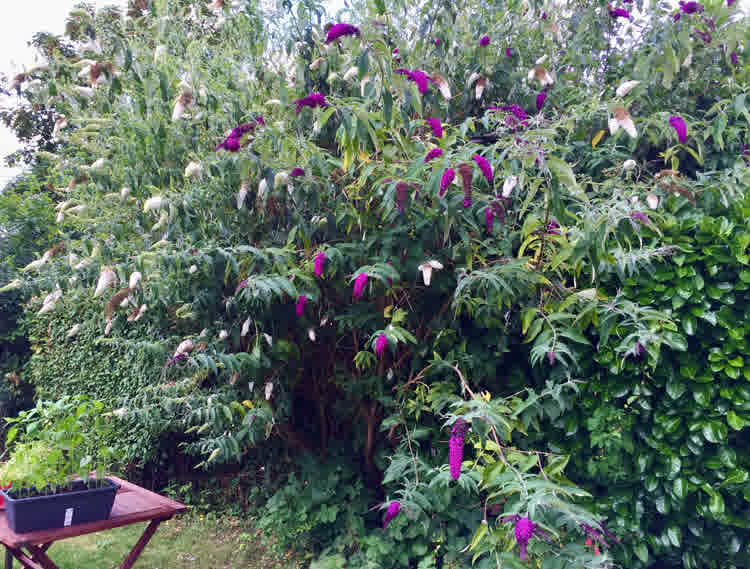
(484, 166)
(619, 13)
(381, 344)
(485, 41)
(339, 30)
(320, 260)
(434, 153)
(419, 77)
(678, 124)
(402, 192)
(393, 509)
(233, 142)
(446, 180)
(437, 128)
(312, 100)
(456, 447)
(524, 530)
(540, 98)
(359, 284)
(301, 301)
(508, 52)
(296, 172)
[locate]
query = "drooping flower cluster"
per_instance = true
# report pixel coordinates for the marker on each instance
(705, 36)
(320, 260)
(446, 180)
(484, 166)
(456, 447)
(540, 98)
(381, 344)
(393, 509)
(417, 76)
(296, 173)
(678, 124)
(489, 218)
(436, 127)
(233, 142)
(523, 531)
(485, 41)
(312, 100)
(359, 284)
(340, 30)
(639, 216)
(301, 301)
(434, 153)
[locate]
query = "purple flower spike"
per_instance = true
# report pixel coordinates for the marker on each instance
(296, 172)
(301, 301)
(676, 16)
(489, 218)
(639, 216)
(691, 7)
(508, 52)
(446, 180)
(485, 41)
(551, 358)
(619, 13)
(393, 509)
(381, 344)
(233, 142)
(553, 227)
(312, 100)
(734, 58)
(437, 128)
(484, 166)
(523, 532)
(434, 153)
(456, 447)
(678, 124)
(339, 30)
(730, 3)
(359, 284)
(320, 260)
(417, 76)
(540, 98)
(437, 41)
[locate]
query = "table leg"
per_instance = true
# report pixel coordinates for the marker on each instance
(29, 563)
(138, 548)
(39, 555)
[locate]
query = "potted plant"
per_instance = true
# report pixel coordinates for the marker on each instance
(54, 449)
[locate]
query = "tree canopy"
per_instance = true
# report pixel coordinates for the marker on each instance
(475, 269)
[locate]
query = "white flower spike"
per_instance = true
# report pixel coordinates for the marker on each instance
(508, 185)
(625, 88)
(107, 278)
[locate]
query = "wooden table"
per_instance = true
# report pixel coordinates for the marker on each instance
(133, 504)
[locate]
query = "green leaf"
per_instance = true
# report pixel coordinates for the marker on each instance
(735, 421)
(716, 503)
(564, 173)
(642, 552)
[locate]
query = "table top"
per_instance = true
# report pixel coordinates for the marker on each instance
(133, 504)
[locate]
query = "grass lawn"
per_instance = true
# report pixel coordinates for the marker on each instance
(191, 541)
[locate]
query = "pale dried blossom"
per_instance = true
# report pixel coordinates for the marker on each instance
(107, 278)
(426, 269)
(135, 278)
(625, 88)
(622, 119)
(193, 170)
